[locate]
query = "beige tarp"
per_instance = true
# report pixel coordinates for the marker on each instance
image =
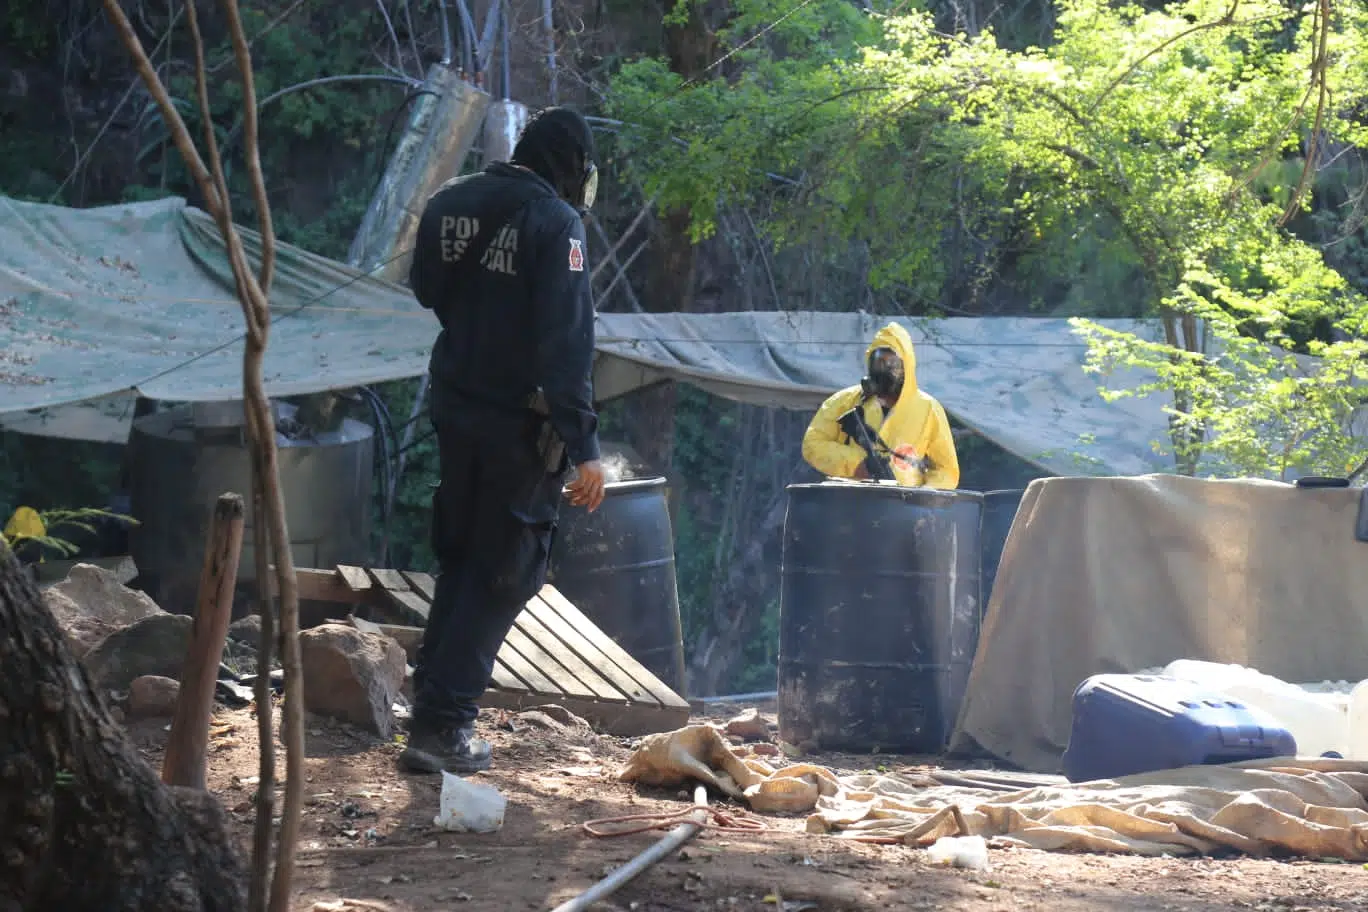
(1308, 807)
(1123, 574)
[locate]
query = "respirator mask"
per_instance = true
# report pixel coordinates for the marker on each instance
(588, 187)
(885, 377)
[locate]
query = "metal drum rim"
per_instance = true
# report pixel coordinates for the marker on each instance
(633, 485)
(958, 495)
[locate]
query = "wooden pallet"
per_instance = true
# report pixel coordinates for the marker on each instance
(553, 654)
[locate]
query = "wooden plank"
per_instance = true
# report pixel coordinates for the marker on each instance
(579, 643)
(505, 679)
(410, 606)
(545, 663)
(321, 586)
(518, 664)
(355, 577)
(392, 580)
(573, 616)
(422, 583)
(625, 720)
(597, 683)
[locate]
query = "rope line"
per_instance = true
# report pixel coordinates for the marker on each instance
(718, 819)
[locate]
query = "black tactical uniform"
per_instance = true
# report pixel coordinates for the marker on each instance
(500, 258)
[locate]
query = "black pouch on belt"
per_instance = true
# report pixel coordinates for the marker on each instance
(550, 446)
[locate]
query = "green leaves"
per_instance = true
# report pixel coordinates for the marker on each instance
(1142, 150)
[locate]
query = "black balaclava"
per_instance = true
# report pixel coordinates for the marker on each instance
(558, 145)
(885, 376)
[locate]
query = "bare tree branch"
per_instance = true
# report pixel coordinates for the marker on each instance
(261, 437)
(1319, 77)
(250, 141)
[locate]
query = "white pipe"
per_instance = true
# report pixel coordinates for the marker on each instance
(740, 698)
(623, 875)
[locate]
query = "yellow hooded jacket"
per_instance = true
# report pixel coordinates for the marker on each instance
(916, 420)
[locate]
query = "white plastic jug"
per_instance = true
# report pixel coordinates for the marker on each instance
(1318, 722)
(1358, 723)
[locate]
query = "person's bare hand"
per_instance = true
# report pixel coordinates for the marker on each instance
(587, 488)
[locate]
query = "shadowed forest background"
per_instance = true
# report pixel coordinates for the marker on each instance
(974, 158)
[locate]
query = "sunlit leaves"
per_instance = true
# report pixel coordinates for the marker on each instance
(1153, 146)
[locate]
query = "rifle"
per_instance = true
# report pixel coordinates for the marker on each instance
(877, 459)
(856, 428)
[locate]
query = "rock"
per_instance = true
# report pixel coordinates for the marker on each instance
(352, 676)
(748, 726)
(91, 591)
(155, 645)
(91, 603)
(83, 633)
(561, 715)
(531, 718)
(246, 630)
(152, 696)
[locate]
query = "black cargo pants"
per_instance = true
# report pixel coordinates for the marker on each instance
(493, 520)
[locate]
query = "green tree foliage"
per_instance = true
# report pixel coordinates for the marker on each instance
(1149, 143)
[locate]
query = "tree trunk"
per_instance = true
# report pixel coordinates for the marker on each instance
(85, 824)
(650, 412)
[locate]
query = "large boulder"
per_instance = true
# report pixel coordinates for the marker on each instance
(352, 676)
(95, 592)
(91, 603)
(155, 645)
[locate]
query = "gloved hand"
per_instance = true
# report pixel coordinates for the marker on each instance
(908, 456)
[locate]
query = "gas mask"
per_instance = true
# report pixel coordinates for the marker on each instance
(588, 188)
(885, 377)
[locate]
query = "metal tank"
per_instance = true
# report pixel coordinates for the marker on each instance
(999, 511)
(443, 124)
(879, 615)
(179, 466)
(504, 123)
(617, 566)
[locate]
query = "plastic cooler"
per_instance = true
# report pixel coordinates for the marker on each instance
(1125, 724)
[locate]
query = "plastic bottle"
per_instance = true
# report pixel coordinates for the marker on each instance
(1318, 722)
(1358, 723)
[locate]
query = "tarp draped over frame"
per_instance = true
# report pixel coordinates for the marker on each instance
(1125, 574)
(98, 303)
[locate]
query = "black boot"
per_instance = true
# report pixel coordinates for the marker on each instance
(456, 750)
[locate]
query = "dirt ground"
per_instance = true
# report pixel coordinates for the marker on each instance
(368, 843)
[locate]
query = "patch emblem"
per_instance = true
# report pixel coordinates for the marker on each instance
(576, 255)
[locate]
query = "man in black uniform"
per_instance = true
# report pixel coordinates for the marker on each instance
(500, 259)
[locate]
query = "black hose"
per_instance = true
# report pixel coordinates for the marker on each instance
(389, 445)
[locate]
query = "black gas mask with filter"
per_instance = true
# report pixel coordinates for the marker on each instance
(884, 379)
(885, 374)
(558, 145)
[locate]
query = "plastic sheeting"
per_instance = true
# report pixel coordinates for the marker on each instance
(1125, 574)
(97, 304)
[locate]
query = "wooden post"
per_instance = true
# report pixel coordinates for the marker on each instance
(189, 741)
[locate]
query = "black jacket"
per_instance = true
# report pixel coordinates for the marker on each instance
(500, 259)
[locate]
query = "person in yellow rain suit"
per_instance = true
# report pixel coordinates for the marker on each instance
(885, 427)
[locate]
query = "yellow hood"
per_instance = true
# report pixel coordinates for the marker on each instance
(896, 337)
(907, 419)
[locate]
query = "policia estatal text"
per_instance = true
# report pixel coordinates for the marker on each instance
(500, 259)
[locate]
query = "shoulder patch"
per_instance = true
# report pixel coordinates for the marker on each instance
(576, 255)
